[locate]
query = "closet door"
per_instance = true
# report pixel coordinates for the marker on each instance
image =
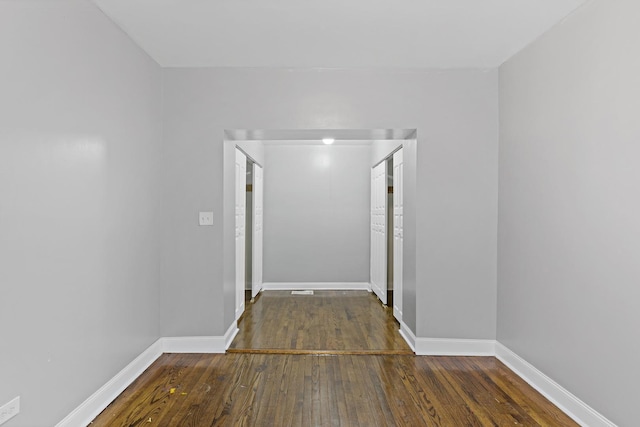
(241, 188)
(398, 204)
(378, 231)
(258, 197)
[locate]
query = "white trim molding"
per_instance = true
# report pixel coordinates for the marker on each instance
(575, 408)
(193, 344)
(571, 405)
(230, 335)
(316, 286)
(408, 336)
(454, 347)
(96, 403)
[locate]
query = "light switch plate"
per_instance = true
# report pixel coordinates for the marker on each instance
(206, 218)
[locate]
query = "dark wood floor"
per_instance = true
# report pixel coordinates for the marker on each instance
(339, 381)
(336, 322)
(312, 390)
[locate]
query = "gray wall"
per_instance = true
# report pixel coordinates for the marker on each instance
(456, 114)
(80, 133)
(382, 148)
(316, 216)
(569, 237)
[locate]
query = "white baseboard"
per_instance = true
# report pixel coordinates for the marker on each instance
(98, 401)
(408, 336)
(316, 286)
(193, 344)
(230, 334)
(454, 347)
(565, 400)
(582, 413)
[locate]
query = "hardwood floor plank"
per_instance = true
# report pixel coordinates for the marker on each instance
(456, 392)
(348, 390)
(332, 359)
(327, 320)
(409, 400)
(526, 397)
(287, 394)
(496, 397)
(361, 402)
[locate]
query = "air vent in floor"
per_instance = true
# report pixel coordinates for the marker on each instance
(301, 292)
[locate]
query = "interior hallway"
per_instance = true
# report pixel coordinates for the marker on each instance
(333, 358)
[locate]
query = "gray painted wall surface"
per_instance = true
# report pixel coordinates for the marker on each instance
(316, 215)
(381, 149)
(456, 114)
(569, 237)
(80, 134)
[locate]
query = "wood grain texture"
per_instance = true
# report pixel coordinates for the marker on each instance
(347, 390)
(351, 322)
(332, 359)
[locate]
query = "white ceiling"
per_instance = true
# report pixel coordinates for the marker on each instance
(335, 33)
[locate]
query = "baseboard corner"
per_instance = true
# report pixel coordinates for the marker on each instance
(231, 333)
(195, 344)
(454, 347)
(98, 401)
(408, 336)
(317, 286)
(567, 402)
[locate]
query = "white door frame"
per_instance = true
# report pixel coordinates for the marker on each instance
(398, 236)
(240, 214)
(378, 250)
(233, 138)
(257, 225)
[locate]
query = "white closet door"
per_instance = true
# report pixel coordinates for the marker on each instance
(241, 189)
(398, 204)
(378, 231)
(258, 198)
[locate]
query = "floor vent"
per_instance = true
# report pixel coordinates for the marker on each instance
(301, 292)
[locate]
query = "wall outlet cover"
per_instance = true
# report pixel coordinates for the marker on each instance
(206, 218)
(9, 410)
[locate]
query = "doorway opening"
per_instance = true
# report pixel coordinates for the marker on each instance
(329, 259)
